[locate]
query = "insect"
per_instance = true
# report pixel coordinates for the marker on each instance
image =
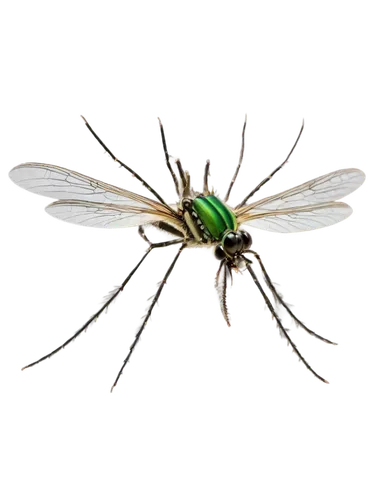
(199, 219)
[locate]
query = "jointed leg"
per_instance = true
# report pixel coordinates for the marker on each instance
(181, 172)
(173, 163)
(107, 303)
(125, 166)
(104, 305)
(144, 323)
(158, 245)
(223, 283)
(205, 178)
(240, 158)
(163, 226)
(280, 303)
(275, 171)
(273, 307)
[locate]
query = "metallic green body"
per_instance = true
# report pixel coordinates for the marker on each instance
(215, 216)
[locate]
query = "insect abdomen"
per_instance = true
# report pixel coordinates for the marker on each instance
(215, 216)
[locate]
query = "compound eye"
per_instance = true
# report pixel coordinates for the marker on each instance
(219, 252)
(232, 243)
(246, 240)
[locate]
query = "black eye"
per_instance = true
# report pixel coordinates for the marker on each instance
(219, 252)
(232, 243)
(246, 240)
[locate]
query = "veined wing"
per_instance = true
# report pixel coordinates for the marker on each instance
(51, 181)
(105, 216)
(86, 201)
(303, 208)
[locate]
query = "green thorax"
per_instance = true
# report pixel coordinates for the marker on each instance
(216, 217)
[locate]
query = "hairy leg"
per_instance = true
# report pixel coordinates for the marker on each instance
(111, 298)
(272, 301)
(148, 314)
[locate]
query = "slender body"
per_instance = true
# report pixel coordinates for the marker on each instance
(200, 218)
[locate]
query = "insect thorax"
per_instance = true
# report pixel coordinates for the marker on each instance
(208, 218)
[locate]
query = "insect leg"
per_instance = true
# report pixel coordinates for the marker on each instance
(240, 158)
(159, 245)
(148, 314)
(142, 234)
(164, 226)
(281, 302)
(205, 178)
(181, 172)
(175, 168)
(275, 171)
(104, 305)
(125, 166)
(278, 321)
(223, 283)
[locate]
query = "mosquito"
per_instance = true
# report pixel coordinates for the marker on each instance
(199, 219)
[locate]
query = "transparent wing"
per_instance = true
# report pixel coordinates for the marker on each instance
(103, 216)
(51, 181)
(86, 201)
(305, 207)
(300, 220)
